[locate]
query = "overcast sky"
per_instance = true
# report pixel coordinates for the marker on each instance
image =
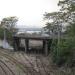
(29, 12)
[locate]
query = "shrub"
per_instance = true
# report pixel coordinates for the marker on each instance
(63, 52)
(8, 35)
(1, 33)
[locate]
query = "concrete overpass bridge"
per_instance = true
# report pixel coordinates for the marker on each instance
(45, 40)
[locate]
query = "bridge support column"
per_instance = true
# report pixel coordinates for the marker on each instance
(46, 48)
(26, 45)
(16, 44)
(43, 49)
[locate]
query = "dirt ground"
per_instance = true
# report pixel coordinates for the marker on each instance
(20, 63)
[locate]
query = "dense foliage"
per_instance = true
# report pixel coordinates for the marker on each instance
(9, 24)
(7, 28)
(8, 34)
(63, 49)
(63, 53)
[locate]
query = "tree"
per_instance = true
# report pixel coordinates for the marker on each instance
(68, 9)
(49, 28)
(56, 25)
(65, 15)
(64, 50)
(9, 23)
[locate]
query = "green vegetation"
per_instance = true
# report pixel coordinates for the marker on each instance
(63, 53)
(8, 34)
(63, 49)
(1, 33)
(9, 23)
(7, 28)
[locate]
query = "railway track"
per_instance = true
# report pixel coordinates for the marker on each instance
(28, 64)
(14, 61)
(6, 69)
(42, 66)
(27, 70)
(39, 64)
(2, 70)
(24, 62)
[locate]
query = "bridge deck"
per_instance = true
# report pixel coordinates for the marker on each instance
(33, 37)
(45, 40)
